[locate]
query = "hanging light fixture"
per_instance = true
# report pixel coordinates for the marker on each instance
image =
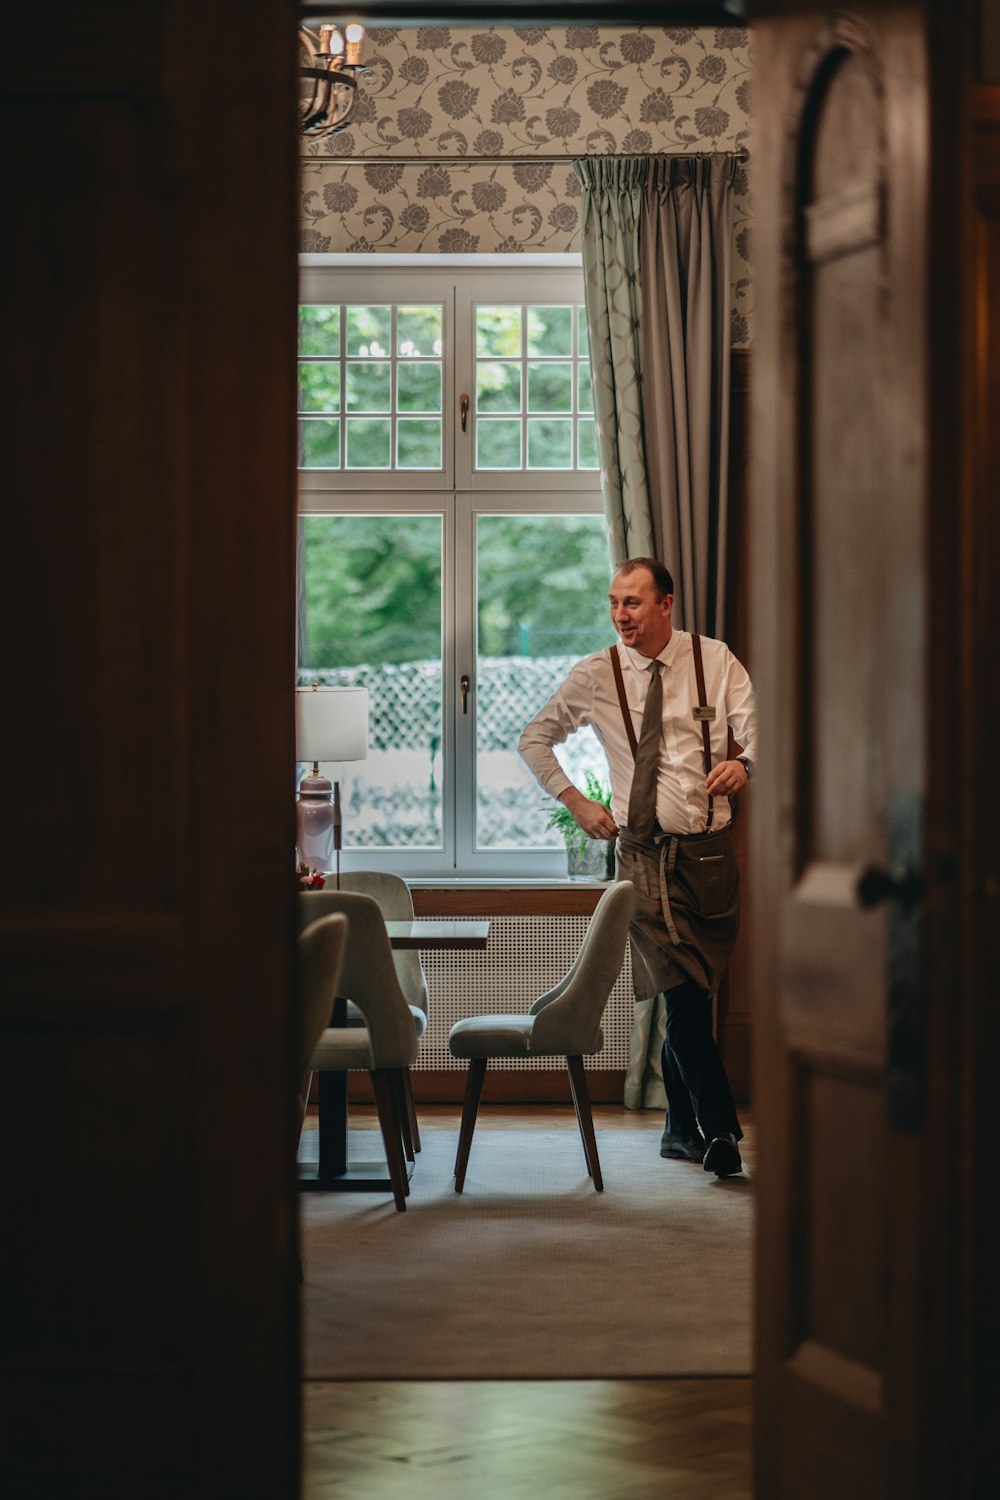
(329, 62)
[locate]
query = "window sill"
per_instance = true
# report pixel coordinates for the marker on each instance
(506, 898)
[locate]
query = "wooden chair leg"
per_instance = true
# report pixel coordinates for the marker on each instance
(470, 1108)
(402, 1113)
(411, 1109)
(579, 1121)
(389, 1124)
(581, 1098)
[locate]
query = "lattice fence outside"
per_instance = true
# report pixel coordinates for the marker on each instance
(525, 956)
(394, 798)
(405, 699)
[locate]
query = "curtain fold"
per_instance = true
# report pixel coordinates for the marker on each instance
(610, 216)
(657, 242)
(685, 272)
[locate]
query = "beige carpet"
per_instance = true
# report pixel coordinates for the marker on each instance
(530, 1273)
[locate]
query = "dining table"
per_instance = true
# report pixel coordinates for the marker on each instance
(333, 1172)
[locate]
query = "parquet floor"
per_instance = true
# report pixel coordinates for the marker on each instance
(529, 1440)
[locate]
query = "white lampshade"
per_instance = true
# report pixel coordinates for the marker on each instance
(331, 723)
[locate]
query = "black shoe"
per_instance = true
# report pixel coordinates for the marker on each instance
(682, 1147)
(723, 1157)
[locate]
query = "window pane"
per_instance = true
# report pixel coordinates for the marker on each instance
(319, 330)
(319, 444)
(369, 387)
(541, 591)
(587, 441)
(550, 330)
(418, 443)
(550, 444)
(584, 389)
(418, 387)
(498, 330)
(498, 387)
(369, 330)
(418, 331)
(583, 346)
(550, 387)
(371, 617)
(369, 444)
(498, 443)
(319, 387)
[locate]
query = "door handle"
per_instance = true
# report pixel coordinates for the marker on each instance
(463, 411)
(875, 885)
(464, 687)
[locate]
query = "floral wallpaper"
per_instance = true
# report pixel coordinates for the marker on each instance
(435, 100)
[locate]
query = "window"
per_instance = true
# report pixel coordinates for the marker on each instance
(453, 553)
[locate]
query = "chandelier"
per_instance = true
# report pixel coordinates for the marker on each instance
(328, 87)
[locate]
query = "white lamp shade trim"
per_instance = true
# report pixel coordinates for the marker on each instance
(331, 723)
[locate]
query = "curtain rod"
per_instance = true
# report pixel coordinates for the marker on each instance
(545, 161)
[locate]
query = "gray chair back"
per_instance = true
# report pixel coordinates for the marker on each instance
(395, 902)
(568, 1017)
(368, 974)
(320, 957)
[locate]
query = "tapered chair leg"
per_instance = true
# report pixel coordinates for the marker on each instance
(411, 1110)
(389, 1124)
(402, 1113)
(576, 1110)
(581, 1098)
(470, 1109)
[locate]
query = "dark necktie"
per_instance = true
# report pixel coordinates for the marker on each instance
(642, 798)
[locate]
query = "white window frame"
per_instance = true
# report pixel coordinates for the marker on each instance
(459, 496)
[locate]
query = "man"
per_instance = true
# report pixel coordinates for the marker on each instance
(664, 717)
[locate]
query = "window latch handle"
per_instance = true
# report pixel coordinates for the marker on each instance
(463, 411)
(464, 686)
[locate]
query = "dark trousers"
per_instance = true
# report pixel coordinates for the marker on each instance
(693, 1075)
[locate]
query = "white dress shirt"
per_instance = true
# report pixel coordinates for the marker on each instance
(589, 696)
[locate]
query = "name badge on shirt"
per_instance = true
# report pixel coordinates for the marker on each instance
(708, 713)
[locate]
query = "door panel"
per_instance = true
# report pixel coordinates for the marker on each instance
(147, 1324)
(838, 507)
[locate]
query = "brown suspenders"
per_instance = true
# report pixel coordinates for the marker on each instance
(616, 667)
(701, 712)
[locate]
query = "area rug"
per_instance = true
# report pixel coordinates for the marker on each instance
(530, 1274)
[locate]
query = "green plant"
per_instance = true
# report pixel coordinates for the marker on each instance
(573, 835)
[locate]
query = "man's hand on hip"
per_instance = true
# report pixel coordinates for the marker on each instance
(593, 817)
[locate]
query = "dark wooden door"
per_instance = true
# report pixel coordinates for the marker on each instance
(839, 629)
(148, 1290)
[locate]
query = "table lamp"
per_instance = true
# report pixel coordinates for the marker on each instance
(331, 725)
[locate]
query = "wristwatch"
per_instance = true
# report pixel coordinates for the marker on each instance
(747, 766)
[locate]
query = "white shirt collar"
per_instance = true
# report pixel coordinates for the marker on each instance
(640, 663)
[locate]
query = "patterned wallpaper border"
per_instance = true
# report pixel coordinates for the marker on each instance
(442, 99)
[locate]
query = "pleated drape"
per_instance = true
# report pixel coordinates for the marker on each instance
(657, 240)
(685, 272)
(610, 217)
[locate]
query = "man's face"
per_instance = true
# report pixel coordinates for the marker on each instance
(639, 616)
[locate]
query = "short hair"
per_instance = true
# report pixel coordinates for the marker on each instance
(662, 581)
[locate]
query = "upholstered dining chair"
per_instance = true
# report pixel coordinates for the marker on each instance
(385, 1043)
(565, 1021)
(395, 902)
(321, 955)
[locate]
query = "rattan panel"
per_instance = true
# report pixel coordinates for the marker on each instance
(524, 957)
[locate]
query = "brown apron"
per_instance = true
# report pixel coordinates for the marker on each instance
(687, 888)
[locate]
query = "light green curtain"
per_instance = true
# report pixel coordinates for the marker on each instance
(657, 236)
(610, 213)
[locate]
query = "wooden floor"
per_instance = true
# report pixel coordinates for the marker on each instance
(529, 1440)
